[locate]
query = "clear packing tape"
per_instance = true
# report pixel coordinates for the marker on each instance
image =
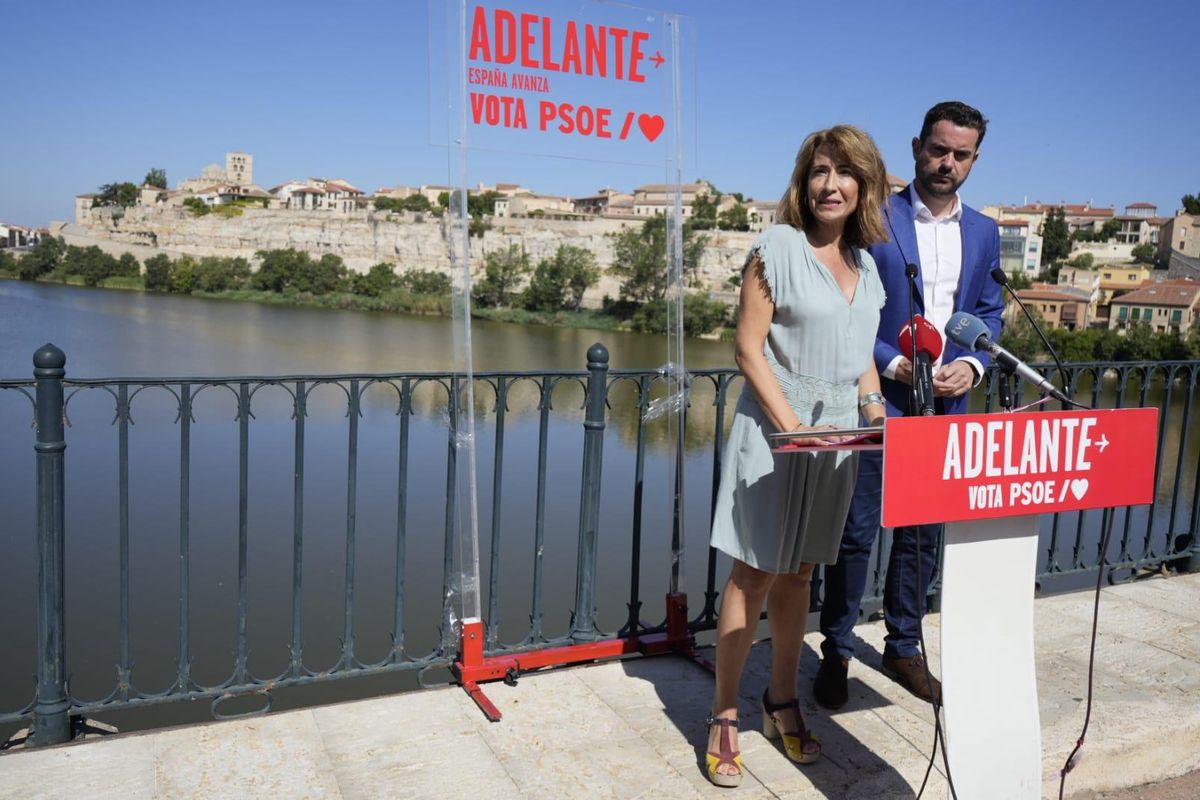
(679, 385)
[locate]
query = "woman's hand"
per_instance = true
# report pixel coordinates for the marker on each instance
(818, 439)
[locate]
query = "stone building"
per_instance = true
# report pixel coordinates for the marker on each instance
(239, 168)
(1060, 306)
(1167, 306)
(1180, 233)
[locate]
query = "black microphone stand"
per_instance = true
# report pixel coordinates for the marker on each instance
(921, 397)
(1001, 277)
(1004, 390)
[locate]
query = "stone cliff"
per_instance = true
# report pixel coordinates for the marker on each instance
(364, 238)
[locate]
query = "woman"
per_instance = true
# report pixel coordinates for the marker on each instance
(808, 314)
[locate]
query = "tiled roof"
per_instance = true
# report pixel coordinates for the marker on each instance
(1012, 222)
(1052, 294)
(1182, 293)
(1141, 205)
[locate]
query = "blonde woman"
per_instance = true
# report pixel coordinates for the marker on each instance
(809, 310)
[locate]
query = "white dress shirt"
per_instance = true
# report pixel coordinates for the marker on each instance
(939, 247)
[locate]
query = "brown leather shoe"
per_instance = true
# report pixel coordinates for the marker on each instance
(911, 674)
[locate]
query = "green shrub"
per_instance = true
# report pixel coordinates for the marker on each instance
(378, 281)
(700, 316)
(197, 206)
(220, 274)
(559, 283)
(158, 273)
(425, 281)
(185, 276)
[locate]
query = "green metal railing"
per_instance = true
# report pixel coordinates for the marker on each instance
(1163, 534)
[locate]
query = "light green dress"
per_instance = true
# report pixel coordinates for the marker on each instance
(775, 512)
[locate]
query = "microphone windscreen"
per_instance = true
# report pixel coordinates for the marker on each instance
(929, 341)
(965, 330)
(1000, 276)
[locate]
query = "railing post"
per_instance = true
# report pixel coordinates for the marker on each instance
(584, 626)
(51, 723)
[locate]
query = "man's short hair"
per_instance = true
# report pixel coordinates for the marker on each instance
(957, 113)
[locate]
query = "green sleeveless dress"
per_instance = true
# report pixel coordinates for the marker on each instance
(775, 512)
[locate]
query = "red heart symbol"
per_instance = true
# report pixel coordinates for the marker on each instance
(651, 125)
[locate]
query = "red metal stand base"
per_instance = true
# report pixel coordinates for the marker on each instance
(473, 668)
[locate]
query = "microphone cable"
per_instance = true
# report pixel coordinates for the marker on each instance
(938, 734)
(1001, 277)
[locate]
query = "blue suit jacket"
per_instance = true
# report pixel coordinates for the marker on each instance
(977, 293)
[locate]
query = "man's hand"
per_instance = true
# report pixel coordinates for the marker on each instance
(953, 379)
(904, 371)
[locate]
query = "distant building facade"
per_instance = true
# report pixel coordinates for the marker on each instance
(1060, 306)
(1167, 306)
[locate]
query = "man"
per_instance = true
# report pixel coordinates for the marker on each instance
(954, 248)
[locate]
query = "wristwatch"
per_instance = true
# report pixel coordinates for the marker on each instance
(869, 398)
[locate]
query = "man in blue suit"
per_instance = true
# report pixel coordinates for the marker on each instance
(954, 249)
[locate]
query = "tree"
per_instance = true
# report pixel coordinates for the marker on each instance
(8, 264)
(278, 269)
(1020, 338)
(503, 271)
(158, 273)
(156, 177)
(640, 259)
(117, 194)
(42, 260)
(1191, 203)
(1056, 239)
(1083, 261)
(1018, 280)
(327, 274)
(704, 212)
(734, 218)
(1143, 253)
(700, 315)
(560, 282)
(128, 266)
(425, 281)
(377, 282)
(185, 276)
(90, 263)
(215, 274)
(480, 205)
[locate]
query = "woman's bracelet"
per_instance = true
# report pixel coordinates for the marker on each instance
(869, 398)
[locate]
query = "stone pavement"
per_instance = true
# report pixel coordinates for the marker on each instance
(634, 729)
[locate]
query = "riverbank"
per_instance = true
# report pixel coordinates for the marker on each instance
(395, 301)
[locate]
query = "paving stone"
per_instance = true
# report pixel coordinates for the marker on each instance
(273, 756)
(635, 729)
(113, 768)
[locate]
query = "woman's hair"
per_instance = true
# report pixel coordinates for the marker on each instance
(865, 226)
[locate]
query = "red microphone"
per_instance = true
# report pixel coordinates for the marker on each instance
(929, 341)
(929, 347)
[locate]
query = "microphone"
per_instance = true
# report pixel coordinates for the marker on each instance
(1001, 277)
(920, 399)
(920, 340)
(929, 341)
(969, 332)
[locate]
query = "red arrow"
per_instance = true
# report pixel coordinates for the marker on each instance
(658, 59)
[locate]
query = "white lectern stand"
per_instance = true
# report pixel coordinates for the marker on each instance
(989, 477)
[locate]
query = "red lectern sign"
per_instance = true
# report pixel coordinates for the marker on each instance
(980, 466)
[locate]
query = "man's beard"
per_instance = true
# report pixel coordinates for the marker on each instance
(943, 189)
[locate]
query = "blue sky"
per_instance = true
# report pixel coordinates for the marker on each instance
(1094, 101)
